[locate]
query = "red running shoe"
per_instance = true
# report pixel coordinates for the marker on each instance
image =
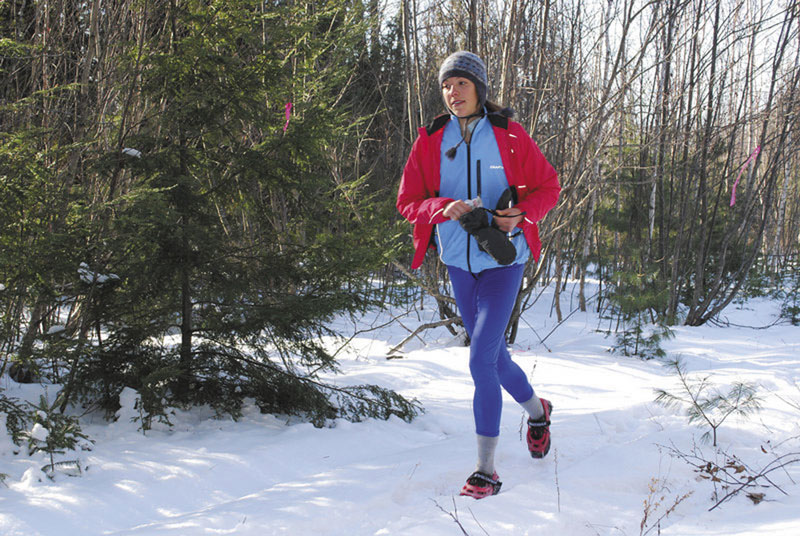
(480, 485)
(539, 432)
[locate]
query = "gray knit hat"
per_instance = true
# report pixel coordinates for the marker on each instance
(467, 65)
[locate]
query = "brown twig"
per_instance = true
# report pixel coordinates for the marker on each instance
(730, 474)
(445, 322)
(778, 463)
(454, 516)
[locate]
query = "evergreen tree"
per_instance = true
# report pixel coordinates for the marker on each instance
(219, 239)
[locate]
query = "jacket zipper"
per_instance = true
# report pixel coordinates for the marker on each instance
(469, 196)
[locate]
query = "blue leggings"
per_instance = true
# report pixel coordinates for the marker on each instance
(485, 301)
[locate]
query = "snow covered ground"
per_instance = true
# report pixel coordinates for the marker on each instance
(613, 455)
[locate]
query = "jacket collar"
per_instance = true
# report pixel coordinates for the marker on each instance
(496, 119)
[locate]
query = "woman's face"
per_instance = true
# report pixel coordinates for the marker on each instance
(460, 96)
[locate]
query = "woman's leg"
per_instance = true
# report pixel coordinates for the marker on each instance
(485, 302)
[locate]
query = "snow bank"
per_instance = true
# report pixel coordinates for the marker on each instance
(612, 452)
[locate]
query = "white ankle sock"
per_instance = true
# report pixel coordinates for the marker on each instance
(486, 448)
(534, 407)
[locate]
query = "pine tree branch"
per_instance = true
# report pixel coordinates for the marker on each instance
(235, 354)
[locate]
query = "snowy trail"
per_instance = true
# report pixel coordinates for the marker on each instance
(610, 446)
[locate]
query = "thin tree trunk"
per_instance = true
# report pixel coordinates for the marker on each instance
(472, 28)
(707, 140)
(557, 295)
(510, 43)
(587, 237)
(664, 96)
(413, 125)
(685, 228)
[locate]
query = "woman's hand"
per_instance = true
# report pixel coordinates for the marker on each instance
(508, 224)
(456, 209)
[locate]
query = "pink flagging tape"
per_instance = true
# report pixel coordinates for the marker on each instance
(288, 116)
(752, 157)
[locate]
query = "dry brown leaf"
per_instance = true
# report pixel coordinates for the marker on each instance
(755, 497)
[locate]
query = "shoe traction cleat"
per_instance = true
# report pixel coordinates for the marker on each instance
(480, 485)
(538, 436)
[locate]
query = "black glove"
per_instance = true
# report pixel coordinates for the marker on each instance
(490, 239)
(507, 200)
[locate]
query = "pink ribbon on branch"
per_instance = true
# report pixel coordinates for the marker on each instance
(288, 116)
(750, 158)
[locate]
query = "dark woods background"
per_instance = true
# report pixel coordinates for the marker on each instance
(160, 230)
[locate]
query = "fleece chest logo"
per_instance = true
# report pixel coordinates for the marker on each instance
(495, 167)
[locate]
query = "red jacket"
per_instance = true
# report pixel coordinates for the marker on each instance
(526, 168)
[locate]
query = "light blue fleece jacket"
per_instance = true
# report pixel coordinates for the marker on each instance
(459, 180)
